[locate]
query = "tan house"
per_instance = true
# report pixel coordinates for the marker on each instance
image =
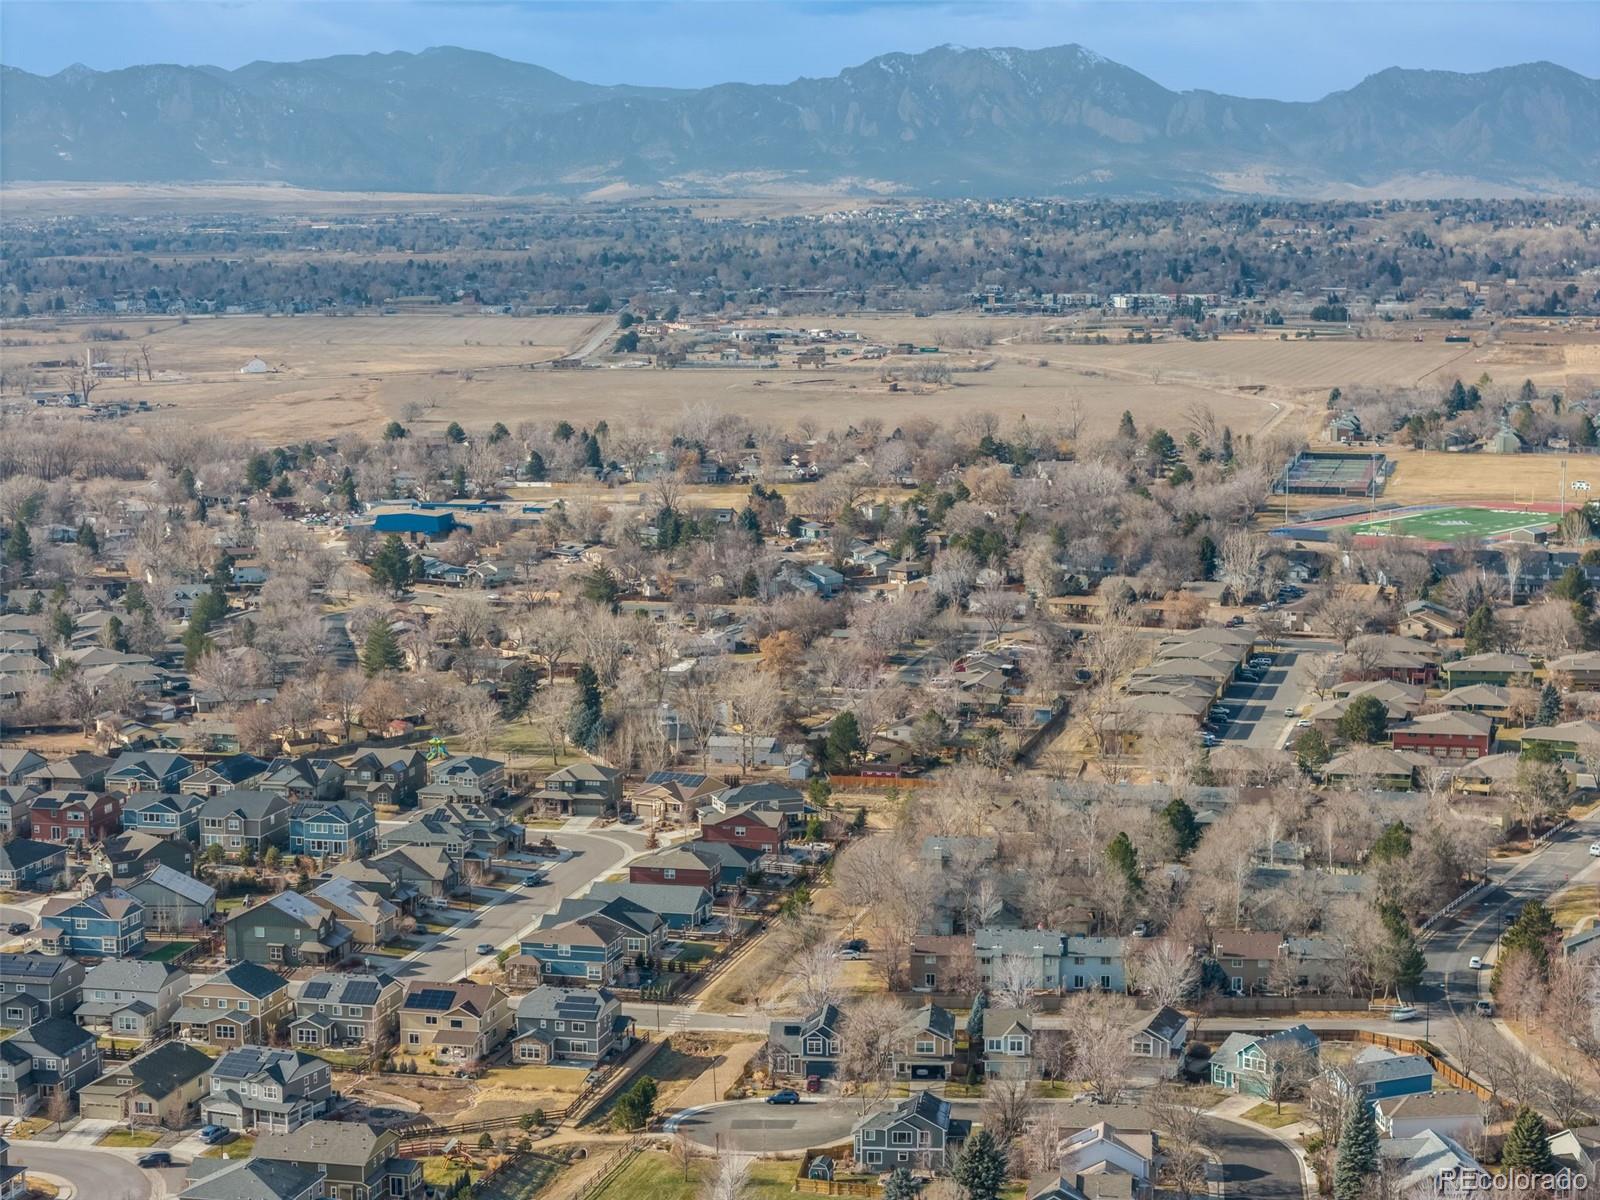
(453, 1022)
(371, 919)
(162, 1087)
(241, 1005)
(672, 797)
(925, 1046)
(1246, 957)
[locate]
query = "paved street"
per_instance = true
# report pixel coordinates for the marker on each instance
(514, 910)
(1259, 719)
(97, 1176)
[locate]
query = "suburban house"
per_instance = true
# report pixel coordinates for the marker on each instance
(1376, 767)
(1161, 1037)
(1502, 670)
(1246, 1063)
(671, 797)
(1246, 956)
(234, 771)
(747, 826)
(1482, 698)
(1451, 735)
(681, 906)
(288, 929)
(16, 812)
(582, 790)
(1569, 740)
(125, 856)
(346, 1010)
(453, 1022)
(332, 828)
(1456, 1115)
(147, 771)
(386, 776)
(30, 866)
(81, 771)
(360, 1162)
(13, 1179)
(918, 1134)
(1420, 1162)
(1037, 955)
(242, 1004)
(17, 766)
(1008, 1044)
(470, 777)
(49, 1059)
(74, 815)
(806, 1047)
(1104, 1162)
(1379, 1074)
(38, 986)
(371, 920)
(403, 874)
(1581, 670)
(576, 1027)
(590, 941)
(259, 1088)
(164, 814)
(684, 865)
(162, 1086)
(924, 1047)
(130, 999)
(252, 1179)
(108, 924)
(244, 819)
(173, 901)
(303, 778)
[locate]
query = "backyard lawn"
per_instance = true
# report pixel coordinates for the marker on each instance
(241, 1147)
(166, 951)
(654, 1174)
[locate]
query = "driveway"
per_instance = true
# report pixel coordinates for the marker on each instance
(508, 912)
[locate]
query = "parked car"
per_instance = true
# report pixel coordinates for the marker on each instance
(1291, 711)
(1484, 1008)
(1475, 962)
(1235, 622)
(1405, 1012)
(846, 953)
(784, 1096)
(156, 1158)
(859, 945)
(485, 947)
(17, 927)
(1594, 849)
(212, 1134)
(1141, 929)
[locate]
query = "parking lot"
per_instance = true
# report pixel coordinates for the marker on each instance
(1260, 708)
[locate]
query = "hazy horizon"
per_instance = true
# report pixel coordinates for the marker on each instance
(1288, 51)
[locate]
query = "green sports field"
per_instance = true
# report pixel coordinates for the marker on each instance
(1450, 524)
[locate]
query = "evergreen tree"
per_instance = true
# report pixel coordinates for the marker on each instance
(391, 565)
(1185, 829)
(637, 1105)
(62, 627)
(900, 1185)
(1125, 427)
(88, 538)
(257, 473)
(454, 433)
(133, 600)
(1393, 843)
(750, 585)
(1481, 633)
(381, 650)
(535, 470)
(1549, 705)
(844, 740)
(1534, 931)
(1365, 721)
(19, 548)
(587, 718)
(1527, 1146)
(186, 484)
(113, 636)
(591, 456)
(600, 587)
(1358, 1150)
(1125, 859)
(982, 1168)
(1401, 964)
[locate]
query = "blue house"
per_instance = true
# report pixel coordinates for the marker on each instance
(26, 865)
(681, 906)
(164, 814)
(1378, 1074)
(1245, 1063)
(147, 771)
(592, 942)
(333, 828)
(109, 924)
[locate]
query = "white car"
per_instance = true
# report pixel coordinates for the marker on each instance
(1404, 1013)
(1475, 963)
(1594, 849)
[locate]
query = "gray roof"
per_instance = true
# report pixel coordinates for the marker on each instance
(1365, 1072)
(128, 975)
(286, 1066)
(248, 1179)
(33, 966)
(346, 988)
(343, 1143)
(58, 1036)
(249, 804)
(162, 1071)
(186, 887)
(250, 978)
(564, 1004)
(662, 898)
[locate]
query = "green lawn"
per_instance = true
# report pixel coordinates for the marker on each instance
(129, 1139)
(166, 951)
(1266, 1113)
(655, 1175)
(242, 1146)
(1448, 524)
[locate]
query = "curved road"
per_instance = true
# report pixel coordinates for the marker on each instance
(96, 1176)
(1257, 1165)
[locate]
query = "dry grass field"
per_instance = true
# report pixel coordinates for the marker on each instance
(1428, 476)
(333, 374)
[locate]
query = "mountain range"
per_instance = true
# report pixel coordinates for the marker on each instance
(946, 122)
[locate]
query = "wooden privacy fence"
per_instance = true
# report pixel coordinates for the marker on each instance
(1441, 1068)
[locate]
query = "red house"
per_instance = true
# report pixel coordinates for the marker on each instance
(1458, 735)
(676, 864)
(74, 816)
(753, 828)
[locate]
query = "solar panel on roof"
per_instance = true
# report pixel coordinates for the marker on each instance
(686, 778)
(431, 998)
(364, 992)
(316, 990)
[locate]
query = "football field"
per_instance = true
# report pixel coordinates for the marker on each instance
(1452, 524)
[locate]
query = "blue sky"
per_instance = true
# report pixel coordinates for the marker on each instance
(1280, 48)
